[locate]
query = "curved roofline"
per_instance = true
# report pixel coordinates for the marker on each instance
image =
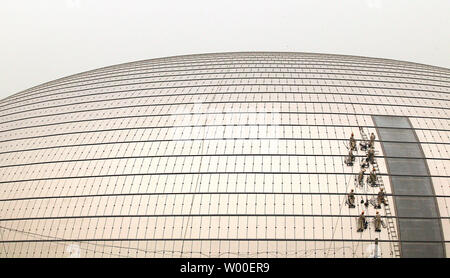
(278, 52)
(232, 52)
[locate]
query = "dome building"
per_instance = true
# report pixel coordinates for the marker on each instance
(229, 155)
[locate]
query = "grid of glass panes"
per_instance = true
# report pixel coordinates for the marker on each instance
(217, 155)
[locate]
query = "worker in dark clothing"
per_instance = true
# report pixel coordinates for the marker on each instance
(351, 199)
(352, 143)
(377, 222)
(361, 176)
(381, 198)
(350, 158)
(371, 155)
(372, 140)
(372, 178)
(361, 222)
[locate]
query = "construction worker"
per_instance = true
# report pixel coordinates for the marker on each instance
(381, 198)
(352, 143)
(372, 177)
(361, 222)
(361, 176)
(371, 155)
(377, 222)
(351, 199)
(350, 158)
(372, 140)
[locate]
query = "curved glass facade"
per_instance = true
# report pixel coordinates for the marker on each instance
(227, 155)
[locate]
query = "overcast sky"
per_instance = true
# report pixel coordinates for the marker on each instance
(45, 40)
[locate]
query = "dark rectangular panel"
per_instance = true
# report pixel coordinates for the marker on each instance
(417, 206)
(406, 166)
(420, 229)
(400, 135)
(403, 149)
(422, 250)
(391, 121)
(412, 185)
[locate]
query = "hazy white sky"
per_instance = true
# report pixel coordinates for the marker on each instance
(45, 40)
